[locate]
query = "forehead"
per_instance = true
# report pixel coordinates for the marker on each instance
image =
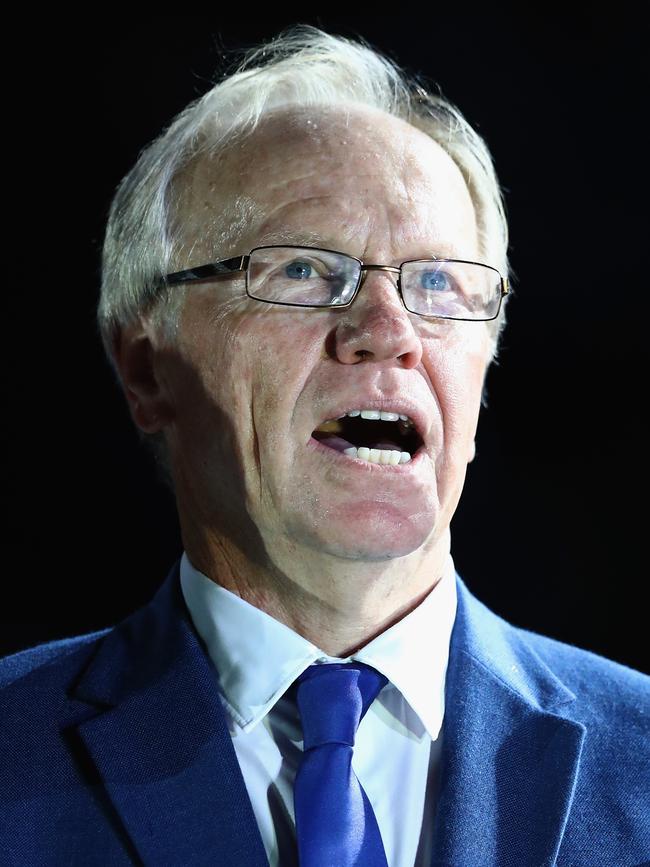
(330, 175)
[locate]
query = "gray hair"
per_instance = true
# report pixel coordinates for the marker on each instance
(302, 66)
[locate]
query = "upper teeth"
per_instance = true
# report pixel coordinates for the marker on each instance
(376, 415)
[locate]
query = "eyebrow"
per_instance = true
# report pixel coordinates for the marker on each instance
(291, 236)
(314, 239)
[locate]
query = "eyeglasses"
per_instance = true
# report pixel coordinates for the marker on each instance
(311, 277)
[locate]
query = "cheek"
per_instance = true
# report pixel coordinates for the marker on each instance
(456, 365)
(252, 360)
(213, 392)
(283, 348)
(264, 361)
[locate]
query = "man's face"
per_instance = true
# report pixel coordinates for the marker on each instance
(250, 382)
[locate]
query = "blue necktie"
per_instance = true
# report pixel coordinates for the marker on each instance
(335, 823)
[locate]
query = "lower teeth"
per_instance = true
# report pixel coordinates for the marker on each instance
(378, 456)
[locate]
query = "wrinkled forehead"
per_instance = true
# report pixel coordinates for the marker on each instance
(348, 139)
(307, 153)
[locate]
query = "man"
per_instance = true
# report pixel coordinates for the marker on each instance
(304, 285)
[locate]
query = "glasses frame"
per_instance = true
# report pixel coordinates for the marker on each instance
(228, 267)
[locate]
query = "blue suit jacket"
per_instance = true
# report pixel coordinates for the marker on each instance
(115, 751)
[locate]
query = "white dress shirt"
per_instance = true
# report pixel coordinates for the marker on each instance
(397, 747)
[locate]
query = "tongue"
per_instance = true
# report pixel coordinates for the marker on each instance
(339, 444)
(334, 442)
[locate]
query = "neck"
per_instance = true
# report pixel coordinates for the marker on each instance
(337, 604)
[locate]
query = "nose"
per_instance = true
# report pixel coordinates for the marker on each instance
(377, 326)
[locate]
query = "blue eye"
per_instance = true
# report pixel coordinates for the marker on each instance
(437, 281)
(299, 270)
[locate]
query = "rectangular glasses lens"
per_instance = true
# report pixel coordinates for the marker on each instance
(457, 290)
(306, 276)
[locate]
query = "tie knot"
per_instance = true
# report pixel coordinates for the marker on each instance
(332, 700)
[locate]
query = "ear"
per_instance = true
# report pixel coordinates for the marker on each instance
(135, 357)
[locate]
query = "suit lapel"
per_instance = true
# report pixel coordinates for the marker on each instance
(510, 752)
(155, 728)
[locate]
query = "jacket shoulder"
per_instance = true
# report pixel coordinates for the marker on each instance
(17, 666)
(574, 661)
(606, 691)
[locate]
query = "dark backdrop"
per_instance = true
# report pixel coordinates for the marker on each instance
(551, 531)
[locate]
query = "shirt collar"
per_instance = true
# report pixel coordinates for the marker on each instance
(258, 658)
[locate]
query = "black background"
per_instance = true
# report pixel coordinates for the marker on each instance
(552, 528)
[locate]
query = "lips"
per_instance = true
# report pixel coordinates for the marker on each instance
(385, 436)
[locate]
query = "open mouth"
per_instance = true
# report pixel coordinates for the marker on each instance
(371, 435)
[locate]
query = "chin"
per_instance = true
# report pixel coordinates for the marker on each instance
(382, 535)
